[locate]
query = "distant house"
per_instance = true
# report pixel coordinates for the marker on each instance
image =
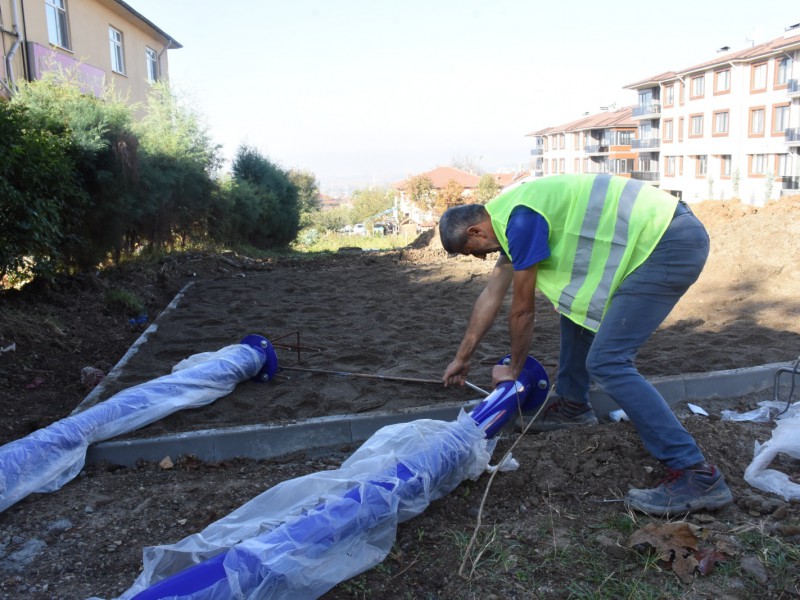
(104, 41)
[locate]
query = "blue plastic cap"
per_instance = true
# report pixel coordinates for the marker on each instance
(261, 344)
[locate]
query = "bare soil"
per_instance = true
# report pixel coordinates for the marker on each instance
(549, 530)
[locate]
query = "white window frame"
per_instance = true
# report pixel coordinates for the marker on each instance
(780, 118)
(758, 164)
(759, 77)
(696, 125)
(783, 70)
(721, 119)
(726, 165)
(702, 164)
(151, 64)
(698, 86)
(784, 165)
(722, 81)
(757, 121)
(117, 49)
(57, 23)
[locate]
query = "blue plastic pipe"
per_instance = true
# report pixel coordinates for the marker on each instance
(50, 457)
(361, 508)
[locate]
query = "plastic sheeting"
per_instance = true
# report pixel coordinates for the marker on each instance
(785, 439)
(322, 528)
(50, 457)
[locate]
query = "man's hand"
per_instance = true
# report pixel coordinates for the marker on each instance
(456, 372)
(501, 373)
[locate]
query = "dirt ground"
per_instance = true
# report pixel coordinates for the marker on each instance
(546, 532)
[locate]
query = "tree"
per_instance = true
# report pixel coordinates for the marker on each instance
(420, 191)
(368, 203)
(275, 195)
(488, 188)
(308, 197)
(178, 160)
(451, 195)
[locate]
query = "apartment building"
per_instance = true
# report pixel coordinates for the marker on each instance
(727, 127)
(105, 42)
(599, 143)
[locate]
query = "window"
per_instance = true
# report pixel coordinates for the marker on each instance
(117, 54)
(701, 165)
(721, 122)
(698, 87)
(57, 31)
(669, 95)
(667, 130)
(783, 70)
(758, 164)
(722, 81)
(669, 165)
(784, 165)
(725, 166)
(780, 118)
(758, 77)
(151, 64)
(696, 125)
(757, 122)
(624, 138)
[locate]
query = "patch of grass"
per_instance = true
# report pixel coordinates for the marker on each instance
(781, 560)
(332, 242)
(120, 300)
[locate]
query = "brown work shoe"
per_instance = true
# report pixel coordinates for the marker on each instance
(561, 414)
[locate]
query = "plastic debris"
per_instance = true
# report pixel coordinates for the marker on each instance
(785, 439)
(697, 409)
(10, 348)
(618, 415)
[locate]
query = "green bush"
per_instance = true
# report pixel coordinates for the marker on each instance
(39, 188)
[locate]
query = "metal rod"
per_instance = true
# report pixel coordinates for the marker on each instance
(376, 376)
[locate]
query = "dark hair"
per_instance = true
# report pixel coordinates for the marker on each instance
(454, 224)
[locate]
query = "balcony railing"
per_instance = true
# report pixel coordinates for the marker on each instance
(648, 144)
(647, 110)
(793, 87)
(596, 149)
(537, 151)
(791, 183)
(792, 135)
(646, 175)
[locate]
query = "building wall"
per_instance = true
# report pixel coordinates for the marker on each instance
(90, 54)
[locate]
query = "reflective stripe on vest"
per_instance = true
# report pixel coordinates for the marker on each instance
(583, 253)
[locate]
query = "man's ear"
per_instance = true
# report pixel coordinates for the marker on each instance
(476, 230)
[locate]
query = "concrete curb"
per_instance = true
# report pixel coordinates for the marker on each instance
(268, 441)
(92, 397)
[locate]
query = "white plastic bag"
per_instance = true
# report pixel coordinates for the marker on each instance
(785, 439)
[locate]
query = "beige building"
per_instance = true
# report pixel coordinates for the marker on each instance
(727, 127)
(106, 42)
(599, 143)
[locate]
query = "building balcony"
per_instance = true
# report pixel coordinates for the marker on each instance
(650, 176)
(596, 149)
(647, 111)
(537, 151)
(793, 89)
(651, 144)
(792, 136)
(538, 173)
(791, 183)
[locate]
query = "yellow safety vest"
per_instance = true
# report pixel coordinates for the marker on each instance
(601, 228)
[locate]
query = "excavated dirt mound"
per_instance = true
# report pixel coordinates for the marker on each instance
(547, 530)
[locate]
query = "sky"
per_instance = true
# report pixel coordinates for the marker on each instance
(369, 92)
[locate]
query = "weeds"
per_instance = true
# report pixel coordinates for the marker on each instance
(123, 301)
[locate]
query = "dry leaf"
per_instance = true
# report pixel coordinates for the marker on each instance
(675, 544)
(707, 558)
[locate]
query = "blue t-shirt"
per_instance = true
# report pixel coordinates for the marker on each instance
(527, 232)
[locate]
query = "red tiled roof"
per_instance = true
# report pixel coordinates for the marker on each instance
(603, 120)
(748, 54)
(441, 176)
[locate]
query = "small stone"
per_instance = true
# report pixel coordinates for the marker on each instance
(754, 568)
(166, 463)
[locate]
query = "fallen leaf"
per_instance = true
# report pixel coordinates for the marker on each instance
(675, 544)
(707, 558)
